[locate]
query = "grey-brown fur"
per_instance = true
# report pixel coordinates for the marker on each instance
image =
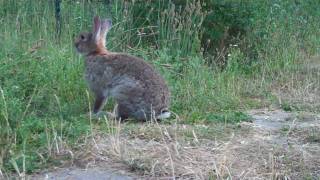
(139, 90)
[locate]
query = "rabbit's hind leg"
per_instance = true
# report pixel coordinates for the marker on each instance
(123, 112)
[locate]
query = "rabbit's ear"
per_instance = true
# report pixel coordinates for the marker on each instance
(106, 25)
(96, 28)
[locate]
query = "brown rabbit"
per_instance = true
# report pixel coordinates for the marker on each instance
(138, 89)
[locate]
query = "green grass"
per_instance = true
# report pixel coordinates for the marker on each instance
(44, 99)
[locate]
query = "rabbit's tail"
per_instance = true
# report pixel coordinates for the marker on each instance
(164, 115)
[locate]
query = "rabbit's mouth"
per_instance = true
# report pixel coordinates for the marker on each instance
(76, 45)
(82, 52)
(78, 48)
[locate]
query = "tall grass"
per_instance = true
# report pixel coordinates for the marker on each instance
(43, 95)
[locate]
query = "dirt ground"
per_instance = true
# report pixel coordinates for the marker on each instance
(275, 145)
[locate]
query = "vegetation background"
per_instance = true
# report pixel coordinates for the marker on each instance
(220, 59)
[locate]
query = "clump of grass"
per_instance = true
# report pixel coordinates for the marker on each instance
(314, 136)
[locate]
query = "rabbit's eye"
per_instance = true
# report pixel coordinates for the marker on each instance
(82, 37)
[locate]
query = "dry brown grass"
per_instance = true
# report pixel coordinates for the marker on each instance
(163, 156)
(288, 151)
(282, 146)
